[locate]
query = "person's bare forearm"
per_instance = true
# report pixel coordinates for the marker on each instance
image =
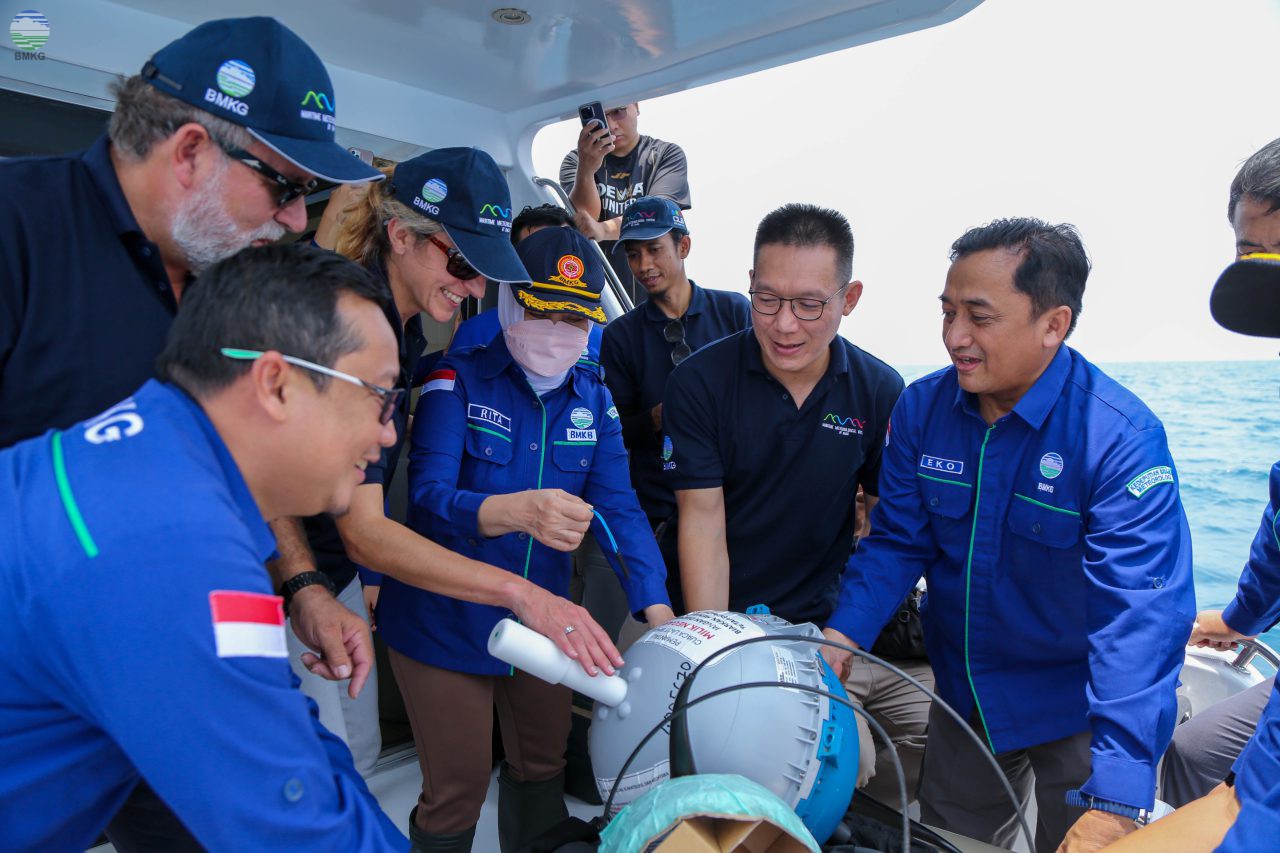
(704, 554)
(610, 229)
(585, 196)
(295, 554)
(388, 547)
(501, 514)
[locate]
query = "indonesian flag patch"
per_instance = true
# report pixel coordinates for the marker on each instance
(248, 624)
(439, 380)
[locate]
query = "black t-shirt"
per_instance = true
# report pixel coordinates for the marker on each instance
(789, 475)
(653, 167)
(322, 533)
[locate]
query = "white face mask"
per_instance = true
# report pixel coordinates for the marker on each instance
(545, 348)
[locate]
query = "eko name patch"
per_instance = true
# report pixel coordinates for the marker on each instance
(937, 463)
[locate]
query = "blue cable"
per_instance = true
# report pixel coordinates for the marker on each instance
(612, 542)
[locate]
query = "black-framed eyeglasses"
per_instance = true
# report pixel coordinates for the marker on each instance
(674, 334)
(286, 190)
(388, 396)
(455, 264)
(763, 302)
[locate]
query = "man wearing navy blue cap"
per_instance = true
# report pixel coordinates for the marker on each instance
(142, 637)
(643, 346)
(211, 149)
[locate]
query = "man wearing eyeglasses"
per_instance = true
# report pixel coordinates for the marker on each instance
(143, 638)
(643, 346)
(769, 435)
(211, 149)
(1038, 498)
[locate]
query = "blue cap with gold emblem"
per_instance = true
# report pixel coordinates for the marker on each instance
(566, 274)
(257, 73)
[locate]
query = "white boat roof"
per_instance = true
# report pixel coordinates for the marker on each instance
(409, 76)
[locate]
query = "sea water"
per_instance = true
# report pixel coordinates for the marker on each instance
(1223, 423)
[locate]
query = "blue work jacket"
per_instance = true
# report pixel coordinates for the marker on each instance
(1058, 561)
(1257, 786)
(1256, 605)
(480, 430)
(142, 640)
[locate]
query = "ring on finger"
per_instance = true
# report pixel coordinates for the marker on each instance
(569, 629)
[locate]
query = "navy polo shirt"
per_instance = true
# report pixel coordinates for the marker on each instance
(322, 533)
(789, 475)
(637, 361)
(85, 302)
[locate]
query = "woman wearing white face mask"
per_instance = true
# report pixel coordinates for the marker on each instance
(517, 450)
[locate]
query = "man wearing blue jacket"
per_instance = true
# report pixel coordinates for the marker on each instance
(1242, 813)
(1039, 500)
(142, 637)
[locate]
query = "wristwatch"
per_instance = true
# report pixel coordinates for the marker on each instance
(1081, 800)
(302, 580)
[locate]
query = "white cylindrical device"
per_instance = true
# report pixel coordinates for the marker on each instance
(537, 655)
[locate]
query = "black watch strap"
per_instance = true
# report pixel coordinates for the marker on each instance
(302, 580)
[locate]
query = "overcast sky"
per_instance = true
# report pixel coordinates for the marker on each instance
(1127, 118)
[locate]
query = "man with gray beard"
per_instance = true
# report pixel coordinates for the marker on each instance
(211, 149)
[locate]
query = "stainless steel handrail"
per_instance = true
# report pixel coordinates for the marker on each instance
(1249, 649)
(616, 290)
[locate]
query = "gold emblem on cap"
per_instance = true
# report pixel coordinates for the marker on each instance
(571, 268)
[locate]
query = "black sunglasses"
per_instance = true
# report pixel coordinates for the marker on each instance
(456, 265)
(674, 333)
(285, 189)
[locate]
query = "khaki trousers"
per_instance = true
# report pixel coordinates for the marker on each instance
(903, 711)
(451, 714)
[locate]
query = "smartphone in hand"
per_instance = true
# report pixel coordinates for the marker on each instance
(593, 112)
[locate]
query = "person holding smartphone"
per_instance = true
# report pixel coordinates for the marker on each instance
(613, 166)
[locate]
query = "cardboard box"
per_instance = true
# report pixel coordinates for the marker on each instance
(724, 834)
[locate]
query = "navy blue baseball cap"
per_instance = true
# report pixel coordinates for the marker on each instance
(650, 217)
(257, 73)
(464, 190)
(566, 273)
(1246, 297)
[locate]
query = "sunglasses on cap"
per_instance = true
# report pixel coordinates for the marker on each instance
(455, 264)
